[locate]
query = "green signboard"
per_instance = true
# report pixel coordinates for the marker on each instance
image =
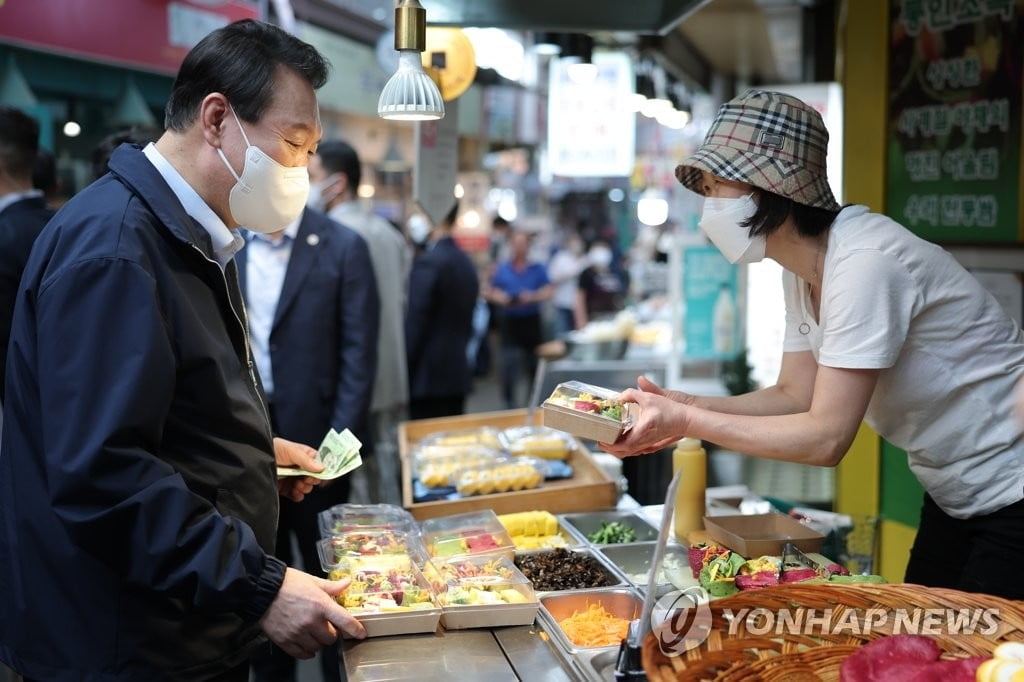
(954, 171)
(710, 320)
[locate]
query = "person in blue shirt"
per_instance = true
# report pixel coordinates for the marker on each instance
(517, 288)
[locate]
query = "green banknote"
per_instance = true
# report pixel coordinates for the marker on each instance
(339, 453)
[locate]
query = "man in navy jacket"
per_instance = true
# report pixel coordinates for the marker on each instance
(138, 496)
(23, 213)
(313, 317)
(443, 289)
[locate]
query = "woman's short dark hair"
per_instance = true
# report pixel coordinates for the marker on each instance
(239, 61)
(773, 209)
(339, 157)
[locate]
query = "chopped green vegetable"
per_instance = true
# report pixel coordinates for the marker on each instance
(612, 533)
(613, 411)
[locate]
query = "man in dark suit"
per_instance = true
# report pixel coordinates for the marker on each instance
(313, 314)
(23, 213)
(443, 289)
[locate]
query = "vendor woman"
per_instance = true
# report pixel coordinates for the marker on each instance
(881, 326)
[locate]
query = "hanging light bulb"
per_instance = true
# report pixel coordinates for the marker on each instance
(410, 94)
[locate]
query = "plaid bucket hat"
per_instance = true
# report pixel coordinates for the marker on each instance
(769, 140)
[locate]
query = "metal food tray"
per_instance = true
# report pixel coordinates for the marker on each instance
(585, 523)
(635, 558)
(617, 577)
(592, 663)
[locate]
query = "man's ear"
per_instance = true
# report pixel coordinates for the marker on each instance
(214, 114)
(342, 184)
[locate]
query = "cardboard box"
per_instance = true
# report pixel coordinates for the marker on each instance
(760, 534)
(589, 489)
(589, 425)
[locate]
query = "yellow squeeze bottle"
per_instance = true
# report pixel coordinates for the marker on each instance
(689, 456)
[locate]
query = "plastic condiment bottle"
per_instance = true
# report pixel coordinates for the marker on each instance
(689, 456)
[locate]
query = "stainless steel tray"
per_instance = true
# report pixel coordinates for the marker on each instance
(633, 561)
(585, 523)
(617, 578)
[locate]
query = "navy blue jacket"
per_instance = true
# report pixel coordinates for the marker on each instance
(138, 502)
(443, 288)
(20, 224)
(323, 342)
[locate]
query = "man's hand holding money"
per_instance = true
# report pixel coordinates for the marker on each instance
(290, 454)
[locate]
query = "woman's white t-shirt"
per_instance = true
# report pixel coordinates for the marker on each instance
(950, 357)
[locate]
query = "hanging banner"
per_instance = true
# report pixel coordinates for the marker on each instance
(591, 133)
(955, 119)
(710, 304)
(153, 36)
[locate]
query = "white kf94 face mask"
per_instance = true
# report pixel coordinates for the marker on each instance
(267, 197)
(721, 221)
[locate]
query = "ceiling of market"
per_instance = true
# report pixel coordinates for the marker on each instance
(752, 41)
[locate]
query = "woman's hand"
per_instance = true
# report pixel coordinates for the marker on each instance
(658, 421)
(291, 454)
(648, 386)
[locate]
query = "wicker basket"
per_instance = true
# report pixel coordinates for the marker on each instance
(845, 618)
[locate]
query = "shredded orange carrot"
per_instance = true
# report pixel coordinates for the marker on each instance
(594, 627)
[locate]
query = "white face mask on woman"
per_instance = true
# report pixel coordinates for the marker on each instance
(267, 197)
(721, 222)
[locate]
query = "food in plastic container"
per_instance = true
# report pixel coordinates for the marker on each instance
(435, 470)
(586, 411)
(342, 518)
(538, 441)
(336, 548)
(382, 584)
(477, 532)
(483, 591)
(497, 477)
(485, 435)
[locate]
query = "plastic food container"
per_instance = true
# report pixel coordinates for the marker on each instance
(388, 594)
(538, 441)
(342, 518)
(435, 470)
(484, 591)
(341, 546)
(587, 412)
(496, 477)
(477, 532)
(483, 435)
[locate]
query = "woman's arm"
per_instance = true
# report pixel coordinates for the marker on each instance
(820, 434)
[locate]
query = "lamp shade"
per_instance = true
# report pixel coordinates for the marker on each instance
(14, 90)
(410, 94)
(132, 110)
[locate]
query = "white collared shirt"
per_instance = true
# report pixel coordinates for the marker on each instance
(8, 199)
(265, 268)
(226, 242)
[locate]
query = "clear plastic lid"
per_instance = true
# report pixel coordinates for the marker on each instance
(382, 584)
(434, 469)
(342, 518)
(477, 532)
(482, 581)
(483, 435)
(590, 400)
(538, 441)
(496, 477)
(336, 548)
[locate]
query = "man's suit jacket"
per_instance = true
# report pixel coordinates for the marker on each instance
(323, 342)
(20, 224)
(443, 288)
